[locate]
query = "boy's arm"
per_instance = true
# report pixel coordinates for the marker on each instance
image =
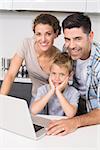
(69, 109)
(40, 103)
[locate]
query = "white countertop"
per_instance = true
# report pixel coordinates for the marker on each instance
(21, 80)
(86, 138)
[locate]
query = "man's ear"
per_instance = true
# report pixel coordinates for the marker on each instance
(91, 36)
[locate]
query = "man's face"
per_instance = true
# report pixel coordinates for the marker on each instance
(78, 43)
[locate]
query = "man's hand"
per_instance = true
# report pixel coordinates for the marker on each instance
(63, 126)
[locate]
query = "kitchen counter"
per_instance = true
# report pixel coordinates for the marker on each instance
(21, 87)
(17, 79)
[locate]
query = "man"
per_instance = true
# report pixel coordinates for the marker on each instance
(79, 44)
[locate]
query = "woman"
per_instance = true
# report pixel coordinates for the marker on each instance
(38, 53)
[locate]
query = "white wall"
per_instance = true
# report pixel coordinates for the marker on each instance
(15, 26)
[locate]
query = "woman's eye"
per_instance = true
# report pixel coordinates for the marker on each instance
(37, 34)
(48, 33)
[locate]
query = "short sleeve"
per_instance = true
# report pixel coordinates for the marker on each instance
(41, 91)
(21, 48)
(72, 95)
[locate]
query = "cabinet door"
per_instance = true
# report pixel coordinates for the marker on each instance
(50, 5)
(6, 4)
(93, 6)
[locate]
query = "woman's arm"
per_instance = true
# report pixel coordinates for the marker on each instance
(11, 74)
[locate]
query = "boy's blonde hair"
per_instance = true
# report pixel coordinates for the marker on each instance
(63, 60)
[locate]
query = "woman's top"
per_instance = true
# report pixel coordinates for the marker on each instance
(36, 74)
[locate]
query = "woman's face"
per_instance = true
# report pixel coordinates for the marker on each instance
(58, 74)
(44, 36)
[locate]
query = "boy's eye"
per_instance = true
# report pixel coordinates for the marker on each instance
(62, 74)
(53, 73)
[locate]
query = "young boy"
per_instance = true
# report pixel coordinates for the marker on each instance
(60, 98)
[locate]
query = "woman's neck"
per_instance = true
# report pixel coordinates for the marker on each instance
(41, 53)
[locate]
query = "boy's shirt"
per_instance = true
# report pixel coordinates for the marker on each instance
(53, 107)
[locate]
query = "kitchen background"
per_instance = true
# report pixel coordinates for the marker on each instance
(16, 18)
(16, 22)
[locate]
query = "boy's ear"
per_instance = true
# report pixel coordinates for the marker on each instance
(71, 76)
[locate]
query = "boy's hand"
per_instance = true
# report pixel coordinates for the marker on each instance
(62, 86)
(51, 85)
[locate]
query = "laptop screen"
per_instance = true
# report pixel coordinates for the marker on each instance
(37, 127)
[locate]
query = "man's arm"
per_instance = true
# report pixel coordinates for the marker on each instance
(66, 126)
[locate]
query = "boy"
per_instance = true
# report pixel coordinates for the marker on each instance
(60, 98)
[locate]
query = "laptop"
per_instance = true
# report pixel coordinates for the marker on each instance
(15, 117)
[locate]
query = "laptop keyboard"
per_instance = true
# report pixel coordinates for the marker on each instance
(40, 121)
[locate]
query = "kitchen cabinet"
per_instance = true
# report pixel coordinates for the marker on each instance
(21, 90)
(6, 4)
(50, 5)
(93, 6)
(89, 6)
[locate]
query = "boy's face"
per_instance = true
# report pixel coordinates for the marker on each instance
(58, 74)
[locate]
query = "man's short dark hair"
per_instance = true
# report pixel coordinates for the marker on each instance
(77, 20)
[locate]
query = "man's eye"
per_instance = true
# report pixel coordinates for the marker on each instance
(67, 40)
(78, 38)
